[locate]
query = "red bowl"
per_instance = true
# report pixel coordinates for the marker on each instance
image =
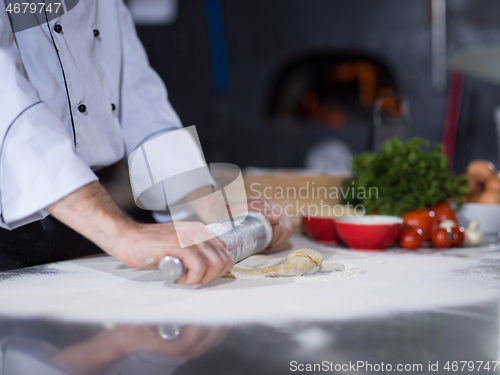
(370, 232)
(320, 228)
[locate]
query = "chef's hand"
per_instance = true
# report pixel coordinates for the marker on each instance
(281, 224)
(91, 212)
(145, 244)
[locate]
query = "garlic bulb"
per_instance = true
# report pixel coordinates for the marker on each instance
(472, 235)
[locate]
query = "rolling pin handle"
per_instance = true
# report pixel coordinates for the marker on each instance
(171, 268)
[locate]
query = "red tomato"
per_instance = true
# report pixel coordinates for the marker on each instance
(421, 218)
(411, 238)
(444, 212)
(457, 236)
(441, 238)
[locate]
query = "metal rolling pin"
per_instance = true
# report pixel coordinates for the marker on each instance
(251, 236)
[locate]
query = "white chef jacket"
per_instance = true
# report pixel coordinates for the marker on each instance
(71, 102)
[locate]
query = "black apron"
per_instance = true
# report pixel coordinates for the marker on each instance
(44, 241)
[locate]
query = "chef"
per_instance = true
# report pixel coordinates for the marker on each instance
(77, 94)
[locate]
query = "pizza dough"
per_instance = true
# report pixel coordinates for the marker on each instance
(297, 263)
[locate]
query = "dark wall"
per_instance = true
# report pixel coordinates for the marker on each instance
(262, 35)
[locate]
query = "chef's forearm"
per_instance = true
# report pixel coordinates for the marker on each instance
(91, 212)
(209, 209)
(212, 208)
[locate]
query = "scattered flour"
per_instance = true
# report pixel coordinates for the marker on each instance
(102, 289)
(328, 275)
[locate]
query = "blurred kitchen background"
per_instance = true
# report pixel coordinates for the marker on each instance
(292, 83)
(278, 94)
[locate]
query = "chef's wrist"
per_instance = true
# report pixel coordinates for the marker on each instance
(114, 233)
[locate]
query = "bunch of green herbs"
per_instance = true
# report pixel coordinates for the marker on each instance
(403, 177)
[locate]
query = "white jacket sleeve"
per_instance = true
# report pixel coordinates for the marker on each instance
(145, 111)
(38, 162)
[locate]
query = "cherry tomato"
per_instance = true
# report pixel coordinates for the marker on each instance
(441, 238)
(421, 218)
(457, 236)
(411, 238)
(444, 212)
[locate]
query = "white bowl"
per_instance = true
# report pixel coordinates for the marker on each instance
(488, 216)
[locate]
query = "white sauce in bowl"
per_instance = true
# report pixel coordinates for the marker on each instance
(371, 220)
